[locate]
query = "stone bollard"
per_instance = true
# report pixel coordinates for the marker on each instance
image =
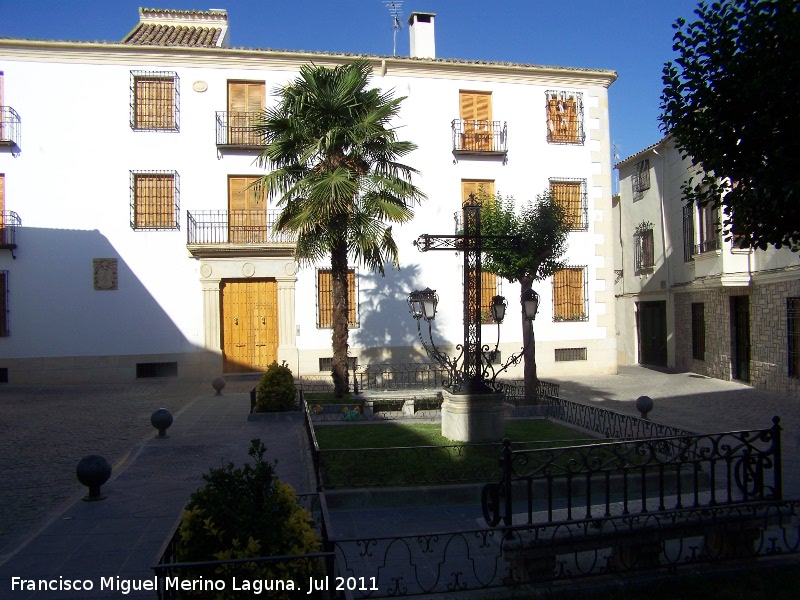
(93, 471)
(644, 404)
(161, 419)
(218, 384)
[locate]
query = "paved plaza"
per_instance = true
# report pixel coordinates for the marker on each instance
(47, 531)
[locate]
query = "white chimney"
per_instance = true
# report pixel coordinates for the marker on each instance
(420, 29)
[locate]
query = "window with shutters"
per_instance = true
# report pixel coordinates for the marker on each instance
(154, 101)
(490, 287)
(482, 190)
(3, 303)
(570, 297)
(640, 180)
(154, 200)
(475, 131)
(564, 117)
(236, 126)
(571, 194)
(325, 299)
(643, 250)
(247, 212)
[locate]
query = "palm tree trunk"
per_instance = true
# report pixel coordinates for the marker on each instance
(339, 297)
(529, 343)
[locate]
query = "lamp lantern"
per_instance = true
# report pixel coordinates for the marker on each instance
(499, 309)
(530, 304)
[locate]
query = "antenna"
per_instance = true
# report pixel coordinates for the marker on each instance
(396, 10)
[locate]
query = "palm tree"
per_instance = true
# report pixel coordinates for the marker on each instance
(332, 153)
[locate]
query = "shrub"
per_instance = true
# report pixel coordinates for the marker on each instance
(276, 389)
(247, 512)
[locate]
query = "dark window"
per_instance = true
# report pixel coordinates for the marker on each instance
(793, 335)
(568, 354)
(644, 253)
(156, 369)
(3, 303)
(698, 331)
(641, 179)
(326, 364)
(688, 232)
(708, 218)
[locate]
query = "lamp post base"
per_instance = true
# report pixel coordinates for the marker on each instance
(473, 417)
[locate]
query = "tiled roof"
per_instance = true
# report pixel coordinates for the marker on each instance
(151, 34)
(640, 153)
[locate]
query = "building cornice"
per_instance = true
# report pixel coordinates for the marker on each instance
(245, 58)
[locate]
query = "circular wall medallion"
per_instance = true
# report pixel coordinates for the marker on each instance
(205, 270)
(199, 86)
(248, 270)
(291, 268)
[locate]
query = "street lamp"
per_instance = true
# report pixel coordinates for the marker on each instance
(530, 304)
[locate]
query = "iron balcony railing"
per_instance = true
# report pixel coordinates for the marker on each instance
(234, 227)
(9, 221)
(9, 126)
(236, 129)
(480, 137)
(707, 246)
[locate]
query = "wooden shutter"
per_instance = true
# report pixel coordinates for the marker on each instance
(562, 118)
(155, 201)
(247, 215)
(488, 291)
(325, 298)
(476, 186)
(568, 195)
(245, 101)
(155, 102)
(568, 300)
(475, 110)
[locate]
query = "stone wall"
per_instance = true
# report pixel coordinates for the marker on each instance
(768, 334)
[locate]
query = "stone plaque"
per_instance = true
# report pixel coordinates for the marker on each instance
(105, 274)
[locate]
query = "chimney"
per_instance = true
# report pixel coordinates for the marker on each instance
(420, 29)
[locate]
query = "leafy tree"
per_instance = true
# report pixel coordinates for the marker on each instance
(333, 154)
(730, 104)
(542, 227)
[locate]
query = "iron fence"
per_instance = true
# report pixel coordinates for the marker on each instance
(479, 137)
(234, 227)
(237, 129)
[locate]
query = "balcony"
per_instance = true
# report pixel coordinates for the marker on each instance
(235, 232)
(707, 246)
(9, 221)
(9, 127)
(482, 138)
(235, 130)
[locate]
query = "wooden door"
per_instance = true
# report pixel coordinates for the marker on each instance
(247, 212)
(740, 337)
(652, 321)
(249, 324)
(475, 110)
(245, 102)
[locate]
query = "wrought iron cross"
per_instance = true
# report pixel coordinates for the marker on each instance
(472, 244)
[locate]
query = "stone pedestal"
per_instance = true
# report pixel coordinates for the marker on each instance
(473, 417)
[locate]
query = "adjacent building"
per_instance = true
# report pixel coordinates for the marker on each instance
(132, 245)
(689, 299)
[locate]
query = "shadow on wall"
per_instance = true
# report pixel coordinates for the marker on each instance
(55, 308)
(388, 332)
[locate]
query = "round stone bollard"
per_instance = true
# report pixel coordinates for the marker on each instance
(644, 404)
(93, 471)
(161, 419)
(218, 384)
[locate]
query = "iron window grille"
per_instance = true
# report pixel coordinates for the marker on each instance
(643, 249)
(155, 101)
(326, 363)
(688, 232)
(698, 331)
(3, 303)
(570, 294)
(640, 181)
(479, 137)
(10, 126)
(793, 335)
(325, 299)
(708, 217)
(571, 194)
(155, 200)
(564, 111)
(570, 354)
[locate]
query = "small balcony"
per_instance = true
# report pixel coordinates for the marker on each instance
(9, 221)
(9, 127)
(707, 246)
(235, 232)
(483, 138)
(235, 130)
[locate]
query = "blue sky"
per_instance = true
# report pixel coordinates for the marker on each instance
(632, 37)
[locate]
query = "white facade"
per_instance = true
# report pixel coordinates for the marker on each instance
(68, 177)
(698, 283)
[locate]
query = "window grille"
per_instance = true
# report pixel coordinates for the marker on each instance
(326, 364)
(325, 299)
(155, 102)
(640, 181)
(571, 194)
(155, 201)
(688, 232)
(793, 335)
(3, 303)
(564, 117)
(698, 331)
(570, 294)
(643, 250)
(569, 354)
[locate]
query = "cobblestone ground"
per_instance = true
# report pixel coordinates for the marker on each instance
(45, 430)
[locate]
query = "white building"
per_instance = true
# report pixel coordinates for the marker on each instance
(688, 299)
(138, 254)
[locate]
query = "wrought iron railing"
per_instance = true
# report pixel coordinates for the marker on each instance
(237, 129)
(10, 126)
(9, 221)
(234, 227)
(707, 246)
(479, 137)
